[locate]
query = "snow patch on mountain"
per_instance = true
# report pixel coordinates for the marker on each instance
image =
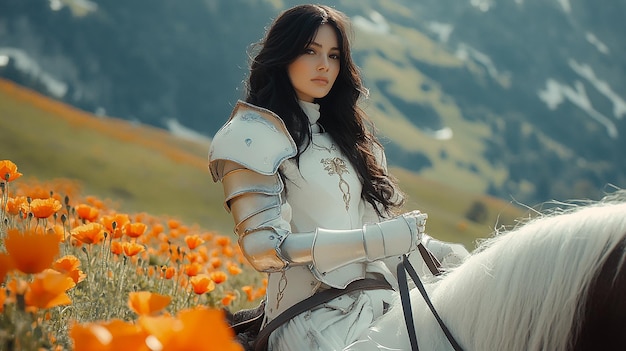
(482, 5)
(593, 40)
(556, 93)
(467, 53)
(441, 30)
(585, 71)
(179, 130)
(566, 5)
(376, 23)
(27, 65)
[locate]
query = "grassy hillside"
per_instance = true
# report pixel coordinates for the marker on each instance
(139, 167)
(144, 169)
(397, 85)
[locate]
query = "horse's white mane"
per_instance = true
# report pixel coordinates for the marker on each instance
(520, 290)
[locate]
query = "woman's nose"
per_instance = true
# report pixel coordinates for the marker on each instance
(323, 64)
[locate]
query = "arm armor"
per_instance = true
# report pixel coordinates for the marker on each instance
(245, 155)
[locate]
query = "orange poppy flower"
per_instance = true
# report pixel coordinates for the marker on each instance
(192, 269)
(202, 283)
(208, 235)
(173, 223)
(132, 248)
(134, 230)
(117, 247)
(90, 233)
(3, 298)
(86, 212)
(6, 265)
(37, 191)
(234, 269)
(174, 233)
(218, 277)
(183, 229)
(193, 241)
(203, 252)
(31, 251)
(194, 257)
(147, 303)
(95, 202)
(115, 223)
(249, 292)
(162, 328)
(189, 332)
(164, 248)
(140, 217)
(216, 262)
(169, 272)
(110, 336)
(228, 251)
(222, 240)
(228, 298)
(14, 205)
(8, 171)
(68, 265)
(48, 289)
(44, 208)
(157, 229)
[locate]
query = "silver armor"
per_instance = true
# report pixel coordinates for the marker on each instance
(245, 156)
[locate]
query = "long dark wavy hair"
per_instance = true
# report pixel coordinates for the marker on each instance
(269, 86)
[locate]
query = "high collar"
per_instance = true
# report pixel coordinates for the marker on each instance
(312, 111)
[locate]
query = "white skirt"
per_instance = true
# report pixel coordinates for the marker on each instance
(334, 325)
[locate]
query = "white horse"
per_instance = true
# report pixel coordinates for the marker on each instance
(555, 283)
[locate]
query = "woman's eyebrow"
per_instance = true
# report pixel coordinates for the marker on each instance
(313, 43)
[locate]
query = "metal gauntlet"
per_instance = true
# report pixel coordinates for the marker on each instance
(327, 250)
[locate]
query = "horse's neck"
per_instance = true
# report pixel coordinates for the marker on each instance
(522, 292)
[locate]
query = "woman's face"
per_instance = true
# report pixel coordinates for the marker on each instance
(314, 72)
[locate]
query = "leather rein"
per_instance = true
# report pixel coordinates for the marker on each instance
(435, 268)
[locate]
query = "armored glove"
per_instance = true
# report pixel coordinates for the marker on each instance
(326, 250)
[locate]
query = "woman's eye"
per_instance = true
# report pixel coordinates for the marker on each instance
(334, 56)
(309, 51)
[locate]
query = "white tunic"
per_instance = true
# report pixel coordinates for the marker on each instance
(325, 192)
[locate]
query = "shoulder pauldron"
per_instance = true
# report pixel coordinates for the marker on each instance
(253, 137)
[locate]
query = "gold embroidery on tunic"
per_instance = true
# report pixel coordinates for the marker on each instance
(338, 166)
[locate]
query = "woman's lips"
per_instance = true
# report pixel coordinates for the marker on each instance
(320, 80)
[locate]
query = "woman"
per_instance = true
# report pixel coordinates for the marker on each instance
(306, 183)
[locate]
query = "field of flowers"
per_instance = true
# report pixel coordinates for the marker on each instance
(75, 274)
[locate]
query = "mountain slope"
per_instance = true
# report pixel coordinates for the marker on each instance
(521, 98)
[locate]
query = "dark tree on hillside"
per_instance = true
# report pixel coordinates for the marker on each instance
(477, 212)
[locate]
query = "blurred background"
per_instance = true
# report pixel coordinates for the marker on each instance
(485, 107)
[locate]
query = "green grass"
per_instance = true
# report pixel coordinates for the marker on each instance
(144, 169)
